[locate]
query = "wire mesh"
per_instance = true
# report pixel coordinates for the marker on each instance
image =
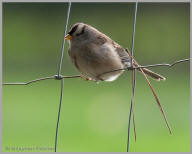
(133, 83)
(60, 102)
(63, 46)
(59, 72)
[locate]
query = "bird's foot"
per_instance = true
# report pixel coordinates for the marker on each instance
(85, 78)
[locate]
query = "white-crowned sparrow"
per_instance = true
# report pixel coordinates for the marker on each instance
(93, 53)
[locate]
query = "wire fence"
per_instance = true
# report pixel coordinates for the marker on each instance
(132, 68)
(59, 73)
(131, 111)
(55, 77)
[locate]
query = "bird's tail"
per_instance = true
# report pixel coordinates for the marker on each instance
(152, 74)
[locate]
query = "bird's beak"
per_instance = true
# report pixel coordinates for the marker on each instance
(68, 37)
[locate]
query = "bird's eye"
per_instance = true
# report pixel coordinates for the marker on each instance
(78, 34)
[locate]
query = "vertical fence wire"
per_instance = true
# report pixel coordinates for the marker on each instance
(133, 79)
(63, 45)
(57, 127)
(59, 73)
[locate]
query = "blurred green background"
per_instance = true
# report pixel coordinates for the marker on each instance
(94, 116)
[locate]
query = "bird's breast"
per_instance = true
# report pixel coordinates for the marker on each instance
(94, 61)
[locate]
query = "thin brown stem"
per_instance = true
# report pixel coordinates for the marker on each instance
(156, 98)
(133, 100)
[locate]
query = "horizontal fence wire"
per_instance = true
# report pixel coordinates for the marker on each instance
(78, 76)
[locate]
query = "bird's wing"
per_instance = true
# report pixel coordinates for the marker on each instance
(124, 56)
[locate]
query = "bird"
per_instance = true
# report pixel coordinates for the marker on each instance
(97, 56)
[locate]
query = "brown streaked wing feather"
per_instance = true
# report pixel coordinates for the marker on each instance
(100, 40)
(125, 58)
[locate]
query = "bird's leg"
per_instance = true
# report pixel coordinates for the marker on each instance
(85, 78)
(88, 79)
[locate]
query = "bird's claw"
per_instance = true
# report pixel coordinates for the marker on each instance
(85, 78)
